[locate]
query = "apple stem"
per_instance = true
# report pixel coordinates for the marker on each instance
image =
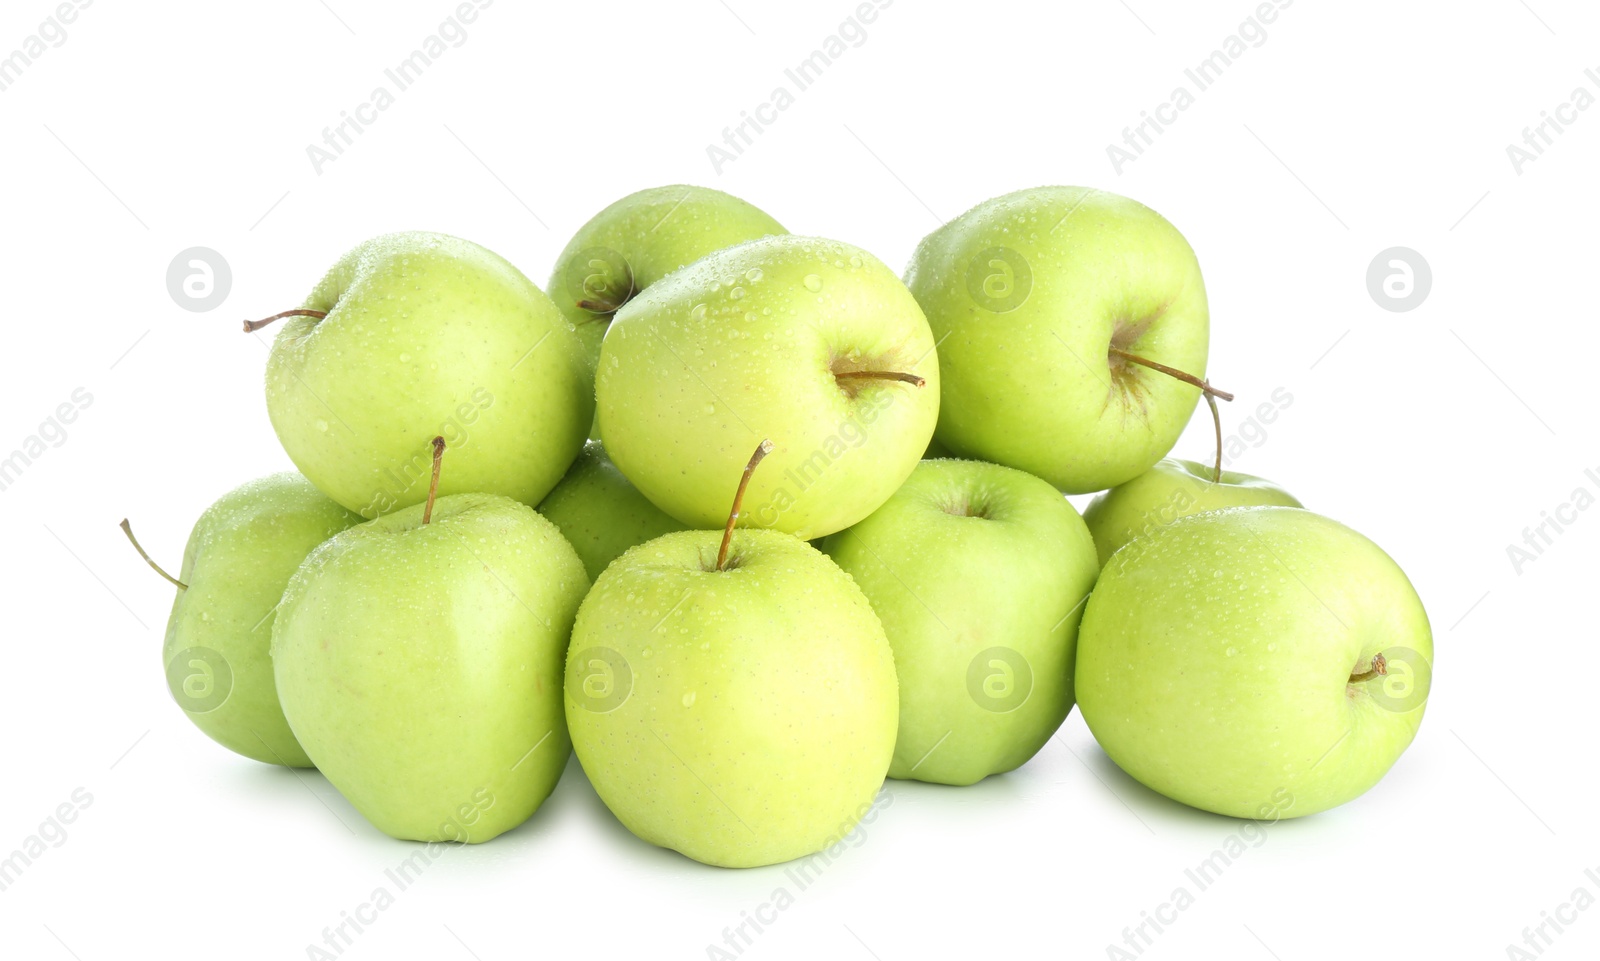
(1380, 667)
(762, 450)
(251, 326)
(433, 485)
(128, 530)
(1187, 378)
(912, 379)
(1216, 418)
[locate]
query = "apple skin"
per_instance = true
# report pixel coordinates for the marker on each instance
(240, 555)
(1026, 294)
(420, 665)
(1172, 489)
(746, 344)
(979, 574)
(600, 513)
(640, 239)
(428, 335)
(1217, 653)
(741, 717)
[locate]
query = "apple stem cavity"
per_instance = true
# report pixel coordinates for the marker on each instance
(1211, 394)
(251, 326)
(128, 530)
(912, 379)
(1187, 378)
(1380, 667)
(762, 450)
(433, 485)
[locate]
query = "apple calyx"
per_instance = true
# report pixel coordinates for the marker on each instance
(1380, 667)
(251, 326)
(433, 485)
(1209, 392)
(762, 450)
(128, 530)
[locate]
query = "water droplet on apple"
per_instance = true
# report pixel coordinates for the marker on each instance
(711, 409)
(754, 275)
(698, 313)
(322, 425)
(647, 652)
(688, 699)
(736, 293)
(813, 282)
(1231, 651)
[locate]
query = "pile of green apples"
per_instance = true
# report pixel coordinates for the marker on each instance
(751, 523)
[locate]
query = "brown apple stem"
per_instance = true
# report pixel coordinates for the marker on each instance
(433, 485)
(128, 530)
(251, 326)
(1216, 418)
(599, 306)
(1380, 667)
(762, 450)
(912, 379)
(1187, 378)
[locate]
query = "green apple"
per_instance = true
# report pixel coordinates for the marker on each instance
(813, 343)
(600, 512)
(419, 662)
(1170, 490)
(738, 704)
(240, 556)
(979, 574)
(416, 334)
(1254, 662)
(1047, 305)
(637, 241)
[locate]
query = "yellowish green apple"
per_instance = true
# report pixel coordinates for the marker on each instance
(600, 513)
(419, 657)
(734, 702)
(417, 334)
(1253, 660)
(239, 558)
(813, 343)
(979, 574)
(1050, 306)
(1172, 489)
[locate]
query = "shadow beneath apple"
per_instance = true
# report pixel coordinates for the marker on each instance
(1156, 810)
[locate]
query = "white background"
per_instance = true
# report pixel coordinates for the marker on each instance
(1441, 433)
